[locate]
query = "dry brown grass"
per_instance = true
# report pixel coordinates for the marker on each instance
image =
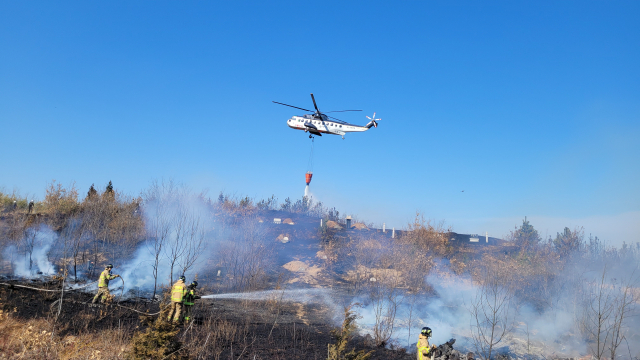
(34, 340)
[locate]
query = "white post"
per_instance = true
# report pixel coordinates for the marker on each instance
(393, 233)
(384, 227)
(320, 222)
(486, 234)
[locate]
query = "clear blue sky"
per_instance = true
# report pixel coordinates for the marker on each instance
(531, 108)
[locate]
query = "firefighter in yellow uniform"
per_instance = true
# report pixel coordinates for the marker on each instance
(103, 284)
(424, 351)
(189, 299)
(178, 291)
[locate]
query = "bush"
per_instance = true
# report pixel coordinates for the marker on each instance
(157, 342)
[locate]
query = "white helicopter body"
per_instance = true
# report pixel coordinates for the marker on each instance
(318, 123)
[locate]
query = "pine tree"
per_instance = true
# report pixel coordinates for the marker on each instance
(108, 192)
(338, 351)
(92, 193)
(526, 237)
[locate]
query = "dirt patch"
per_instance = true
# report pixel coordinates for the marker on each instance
(373, 274)
(283, 238)
(288, 221)
(360, 226)
(333, 225)
(304, 273)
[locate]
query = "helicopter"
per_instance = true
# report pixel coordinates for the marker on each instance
(318, 123)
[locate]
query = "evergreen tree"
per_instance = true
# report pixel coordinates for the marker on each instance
(109, 187)
(569, 241)
(92, 193)
(526, 237)
(108, 192)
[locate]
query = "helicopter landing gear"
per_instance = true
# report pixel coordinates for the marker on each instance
(310, 137)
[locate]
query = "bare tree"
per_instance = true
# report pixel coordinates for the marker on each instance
(61, 203)
(73, 234)
(598, 310)
(193, 234)
(246, 256)
(96, 217)
(624, 306)
(175, 229)
(607, 308)
(158, 228)
(175, 247)
(29, 243)
(492, 313)
(385, 296)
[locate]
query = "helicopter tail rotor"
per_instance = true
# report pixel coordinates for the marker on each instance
(372, 121)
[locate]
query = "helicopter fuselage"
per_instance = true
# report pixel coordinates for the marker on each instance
(318, 126)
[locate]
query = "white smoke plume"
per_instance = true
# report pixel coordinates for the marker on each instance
(554, 330)
(30, 258)
(179, 231)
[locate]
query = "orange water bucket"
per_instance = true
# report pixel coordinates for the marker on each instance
(308, 176)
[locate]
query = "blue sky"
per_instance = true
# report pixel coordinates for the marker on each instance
(531, 108)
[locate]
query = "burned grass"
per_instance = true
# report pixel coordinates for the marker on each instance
(221, 329)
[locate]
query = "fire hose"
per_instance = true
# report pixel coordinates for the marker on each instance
(48, 290)
(78, 288)
(128, 308)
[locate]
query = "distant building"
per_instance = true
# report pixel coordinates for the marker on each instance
(472, 239)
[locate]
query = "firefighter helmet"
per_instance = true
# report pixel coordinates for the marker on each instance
(183, 278)
(194, 283)
(109, 266)
(426, 331)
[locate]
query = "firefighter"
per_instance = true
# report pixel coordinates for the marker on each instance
(31, 205)
(103, 284)
(423, 344)
(189, 299)
(178, 291)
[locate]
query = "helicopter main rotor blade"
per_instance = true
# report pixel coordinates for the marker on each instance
(339, 111)
(341, 121)
(314, 103)
(292, 106)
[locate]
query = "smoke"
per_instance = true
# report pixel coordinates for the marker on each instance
(31, 259)
(179, 228)
(322, 296)
(305, 296)
(445, 313)
(138, 272)
(555, 329)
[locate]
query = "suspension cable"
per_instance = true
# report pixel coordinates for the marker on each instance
(310, 163)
